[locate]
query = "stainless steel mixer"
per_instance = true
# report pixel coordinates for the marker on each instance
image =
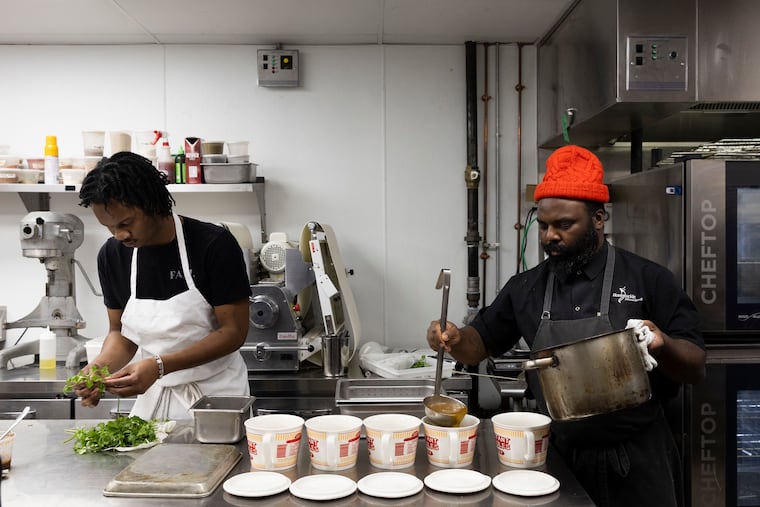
(52, 238)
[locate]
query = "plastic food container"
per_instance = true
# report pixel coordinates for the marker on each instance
(398, 366)
(29, 175)
(229, 173)
(35, 163)
(212, 147)
(72, 176)
(221, 419)
(8, 176)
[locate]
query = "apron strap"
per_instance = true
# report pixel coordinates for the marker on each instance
(609, 271)
(190, 393)
(184, 262)
(546, 311)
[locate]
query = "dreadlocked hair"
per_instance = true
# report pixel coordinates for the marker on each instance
(129, 179)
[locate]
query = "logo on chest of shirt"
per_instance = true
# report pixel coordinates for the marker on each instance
(622, 295)
(176, 275)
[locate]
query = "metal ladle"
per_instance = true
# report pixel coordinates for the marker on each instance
(440, 409)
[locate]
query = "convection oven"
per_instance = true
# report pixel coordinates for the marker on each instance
(723, 430)
(701, 219)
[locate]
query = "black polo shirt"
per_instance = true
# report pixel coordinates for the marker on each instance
(641, 289)
(216, 263)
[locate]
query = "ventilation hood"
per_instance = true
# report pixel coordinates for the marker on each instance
(653, 70)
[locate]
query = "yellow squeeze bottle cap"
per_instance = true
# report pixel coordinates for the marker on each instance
(51, 146)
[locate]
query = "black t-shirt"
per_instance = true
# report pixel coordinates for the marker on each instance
(641, 289)
(216, 262)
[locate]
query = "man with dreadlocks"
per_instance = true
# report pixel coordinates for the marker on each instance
(173, 286)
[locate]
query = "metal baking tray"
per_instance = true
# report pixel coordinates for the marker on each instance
(175, 471)
(383, 390)
(364, 410)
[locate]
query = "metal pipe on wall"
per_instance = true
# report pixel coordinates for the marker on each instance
(497, 173)
(472, 181)
(484, 255)
(519, 87)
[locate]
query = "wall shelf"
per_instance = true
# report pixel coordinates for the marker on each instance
(23, 188)
(37, 197)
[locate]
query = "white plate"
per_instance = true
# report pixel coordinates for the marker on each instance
(457, 480)
(390, 485)
(322, 487)
(256, 484)
(525, 483)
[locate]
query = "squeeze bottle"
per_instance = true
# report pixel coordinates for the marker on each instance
(180, 168)
(51, 160)
(165, 161)
(47, 349)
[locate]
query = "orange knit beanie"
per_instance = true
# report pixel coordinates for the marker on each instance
(573, 172)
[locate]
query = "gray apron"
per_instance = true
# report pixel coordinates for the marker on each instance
(551, 333)
(609, 453)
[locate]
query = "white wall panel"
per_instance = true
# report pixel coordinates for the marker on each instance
(372, 143)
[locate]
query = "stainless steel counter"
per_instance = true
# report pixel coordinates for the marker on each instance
(307, 392)
(45, 471)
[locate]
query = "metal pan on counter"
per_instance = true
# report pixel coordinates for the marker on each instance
(243, 172)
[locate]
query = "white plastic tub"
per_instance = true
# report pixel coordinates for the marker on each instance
(398, 365)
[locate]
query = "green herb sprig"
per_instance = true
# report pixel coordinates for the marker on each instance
(419, 363)
(122, 432)
(95, 378)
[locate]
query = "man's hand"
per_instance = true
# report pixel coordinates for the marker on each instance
(90, 395)
(450, 338)
(134, 378)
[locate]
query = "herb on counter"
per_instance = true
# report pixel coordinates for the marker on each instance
(419, 363)
(95, 377)
(121, 432)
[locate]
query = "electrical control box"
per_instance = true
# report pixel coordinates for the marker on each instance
(657, 63)
(278, 67)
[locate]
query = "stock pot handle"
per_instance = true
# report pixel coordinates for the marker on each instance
(544, 362)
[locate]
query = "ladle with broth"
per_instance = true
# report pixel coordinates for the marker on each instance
(443, 410)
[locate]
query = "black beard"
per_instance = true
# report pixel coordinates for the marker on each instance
(572, 258)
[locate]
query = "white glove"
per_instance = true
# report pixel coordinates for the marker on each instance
(644, 337)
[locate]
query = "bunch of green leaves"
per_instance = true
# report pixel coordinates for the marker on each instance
(122, 432)
(94, 378)
(420, 363)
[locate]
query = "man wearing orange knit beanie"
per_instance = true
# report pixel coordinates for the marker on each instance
(585, 287)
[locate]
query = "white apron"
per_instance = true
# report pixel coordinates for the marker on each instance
(159, 327)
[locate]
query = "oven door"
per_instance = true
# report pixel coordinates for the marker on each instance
(724, 420)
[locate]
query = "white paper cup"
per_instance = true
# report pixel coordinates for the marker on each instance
(392, 440)
(451, 447)
(94, 141)
(120, 141)
(522, 438)
(6, 451)
(333, 441)
(274, 440)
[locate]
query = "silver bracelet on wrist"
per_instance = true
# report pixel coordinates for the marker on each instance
(160, 364)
